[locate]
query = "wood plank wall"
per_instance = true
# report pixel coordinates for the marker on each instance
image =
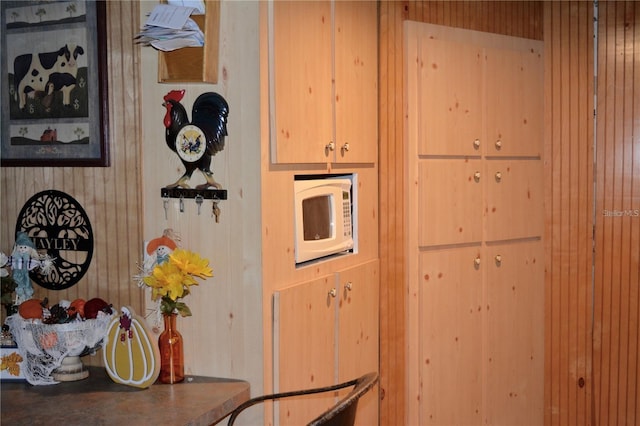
(521, 19)
(616, 363)
(111, 196)
(568, 34)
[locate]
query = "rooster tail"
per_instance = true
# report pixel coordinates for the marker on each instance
(211, 106)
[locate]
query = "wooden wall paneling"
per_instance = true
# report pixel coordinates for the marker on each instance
(392, 295)
(569, 211)
(111, 195)
(552, 209)
(617, 236)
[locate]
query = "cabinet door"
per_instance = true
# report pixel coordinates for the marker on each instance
(515, 333)
(302, 119)
(450, 116)
(304, 347)
(450, 328)
(514, 199)
(515, 106)
(356, 81)
(358, 289)
(450, 201)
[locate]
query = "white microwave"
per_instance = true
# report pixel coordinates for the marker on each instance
(324, 212)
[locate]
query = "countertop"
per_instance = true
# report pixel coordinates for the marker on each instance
(98, 400)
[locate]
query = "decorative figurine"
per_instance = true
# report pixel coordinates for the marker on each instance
(196, 141)
(157, 253)
(23, 259)
(159, 249)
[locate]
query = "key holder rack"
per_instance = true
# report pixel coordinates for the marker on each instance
(198, 194)
(207, 194)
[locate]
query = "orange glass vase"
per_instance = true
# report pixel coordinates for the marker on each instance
(171, 352)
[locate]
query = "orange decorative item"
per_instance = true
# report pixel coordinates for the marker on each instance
(49, 340)
(171, 352)
(77, 307)
(31, 309)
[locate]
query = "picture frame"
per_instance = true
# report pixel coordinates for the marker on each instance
(54, 84)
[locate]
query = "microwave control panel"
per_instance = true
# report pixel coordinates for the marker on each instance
(346, 211)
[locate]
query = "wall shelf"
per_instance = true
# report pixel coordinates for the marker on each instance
(195, 64)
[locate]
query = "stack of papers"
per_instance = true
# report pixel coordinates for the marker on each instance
(169, 28)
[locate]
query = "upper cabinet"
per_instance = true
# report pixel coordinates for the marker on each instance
(481, 100)
(452, 114)
(356, 81)
(323, 81)
(515, 79)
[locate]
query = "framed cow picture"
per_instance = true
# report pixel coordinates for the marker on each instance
(54, 83)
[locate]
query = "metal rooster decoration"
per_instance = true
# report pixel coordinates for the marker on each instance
(196, 141)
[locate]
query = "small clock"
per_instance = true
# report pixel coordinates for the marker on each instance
(191, 143)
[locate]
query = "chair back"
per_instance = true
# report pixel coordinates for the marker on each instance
(344, 412)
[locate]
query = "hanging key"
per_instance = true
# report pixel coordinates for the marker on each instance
(199, 200)
(165, 204)
(216, 211)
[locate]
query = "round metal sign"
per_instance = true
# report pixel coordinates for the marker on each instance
(58, 226)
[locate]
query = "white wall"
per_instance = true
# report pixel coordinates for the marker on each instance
(224, 335)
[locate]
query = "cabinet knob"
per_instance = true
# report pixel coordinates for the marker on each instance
(498, 259)
(348, 286)
(330, 146)
(333, 292)
(498, 176)
(476, 176)
(476, 144)
(345, 147)
(498, 145)
(476, 262)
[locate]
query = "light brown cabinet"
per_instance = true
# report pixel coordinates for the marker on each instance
(481, 101)
(326, 331)
(475, 195)
(480, 314)
(513, 306)
(514, 101)
(471, 200)
(323, 81)
(513, 199)
(451, 199)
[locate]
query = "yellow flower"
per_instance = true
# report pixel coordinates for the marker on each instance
(191, 263)
(171, 280)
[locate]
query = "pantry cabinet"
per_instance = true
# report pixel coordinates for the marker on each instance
(470, 200)
(452, 194)
(325, 332)
(450, 322)
(475, 195)
(480, 314)
(323, 81)
(513, 199)
(513, 308)
(513, 82)
(453, 124)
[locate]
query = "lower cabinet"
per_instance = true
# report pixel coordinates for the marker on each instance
(481, 322)
(326, 332)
